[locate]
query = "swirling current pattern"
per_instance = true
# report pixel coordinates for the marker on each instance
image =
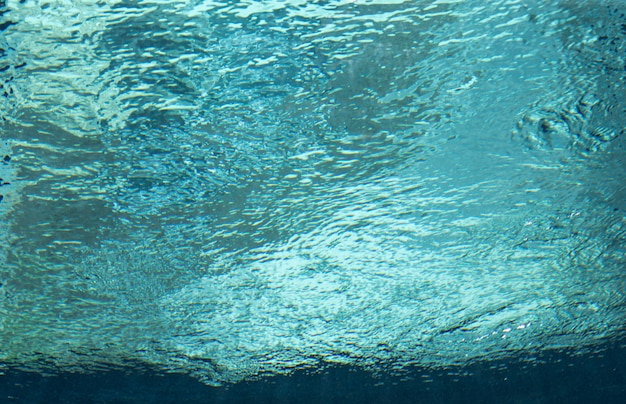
(237, 188)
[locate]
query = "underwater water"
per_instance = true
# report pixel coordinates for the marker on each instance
(238, 189)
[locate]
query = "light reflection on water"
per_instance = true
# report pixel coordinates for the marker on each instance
(234, 188)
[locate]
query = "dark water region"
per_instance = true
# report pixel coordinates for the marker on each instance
(226, 190)
(548, 378)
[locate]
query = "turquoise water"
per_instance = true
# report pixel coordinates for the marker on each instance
(232, 189)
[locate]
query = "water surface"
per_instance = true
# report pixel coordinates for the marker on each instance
(232, 189)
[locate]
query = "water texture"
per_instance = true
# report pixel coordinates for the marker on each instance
(233, 189)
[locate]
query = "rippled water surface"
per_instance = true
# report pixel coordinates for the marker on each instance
(239, 188)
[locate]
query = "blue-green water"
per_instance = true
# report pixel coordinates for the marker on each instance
(231, 189)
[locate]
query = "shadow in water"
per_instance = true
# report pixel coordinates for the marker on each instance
(550, 378)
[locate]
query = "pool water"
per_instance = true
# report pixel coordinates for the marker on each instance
(245, 190)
